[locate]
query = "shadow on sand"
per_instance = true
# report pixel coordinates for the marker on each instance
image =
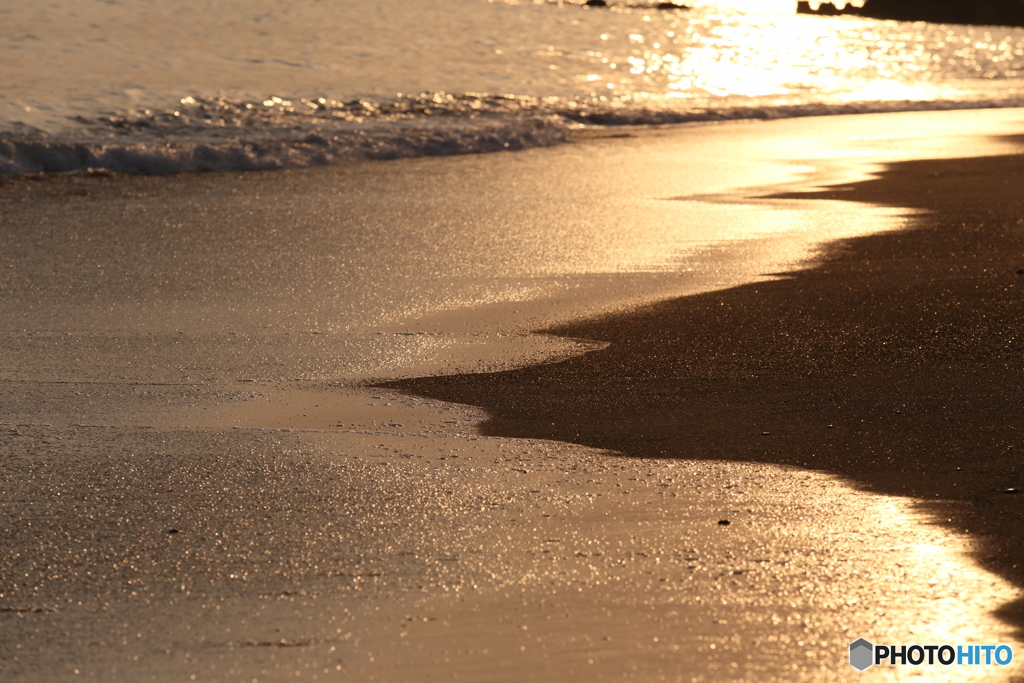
(897, 362)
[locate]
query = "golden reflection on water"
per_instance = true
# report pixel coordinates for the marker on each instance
(779, 56)
(740, 53)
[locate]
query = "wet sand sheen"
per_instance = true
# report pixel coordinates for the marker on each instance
(209, 382)
(896, 363)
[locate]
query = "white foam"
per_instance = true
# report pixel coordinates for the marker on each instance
(164, 143)
(158, 151)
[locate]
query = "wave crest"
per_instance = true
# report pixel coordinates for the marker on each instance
(220, 135)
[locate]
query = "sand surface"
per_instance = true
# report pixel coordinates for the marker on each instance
(198, 480)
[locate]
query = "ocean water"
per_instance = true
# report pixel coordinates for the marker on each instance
(148, 86)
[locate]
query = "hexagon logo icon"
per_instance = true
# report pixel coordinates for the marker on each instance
(862, 654)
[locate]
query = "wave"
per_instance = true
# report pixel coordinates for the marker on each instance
(259, 153)
(215, 134)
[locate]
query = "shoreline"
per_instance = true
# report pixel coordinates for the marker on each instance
(193, 455)
(894, 363)
(92, 154)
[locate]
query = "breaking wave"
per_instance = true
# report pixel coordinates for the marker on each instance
(215, 134)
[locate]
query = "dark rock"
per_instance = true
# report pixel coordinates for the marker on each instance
(985, 12)
(825, 9)
(596, 3)
(724, 522)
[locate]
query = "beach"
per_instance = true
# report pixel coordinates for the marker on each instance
(690, 403)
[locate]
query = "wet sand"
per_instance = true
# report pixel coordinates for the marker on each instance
(200, 481)
(897, 363)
